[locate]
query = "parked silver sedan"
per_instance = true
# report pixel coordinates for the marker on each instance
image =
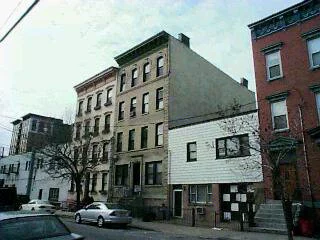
(102, 213)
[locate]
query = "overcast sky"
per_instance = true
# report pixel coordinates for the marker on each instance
(61, 43)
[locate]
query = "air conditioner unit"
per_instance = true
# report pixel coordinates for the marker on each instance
(201, 210)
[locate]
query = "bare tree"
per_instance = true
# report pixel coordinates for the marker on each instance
(276, 149)
(71, 161)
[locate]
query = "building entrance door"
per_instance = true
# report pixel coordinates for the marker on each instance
(136, 178)
(289, 180)
(177, 203)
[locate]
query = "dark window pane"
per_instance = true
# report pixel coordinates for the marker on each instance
(274, 71)
(280, 122)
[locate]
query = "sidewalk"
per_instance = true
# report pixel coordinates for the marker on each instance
(206, 233)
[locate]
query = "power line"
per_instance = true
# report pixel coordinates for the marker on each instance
(10, 15)
(19, 20)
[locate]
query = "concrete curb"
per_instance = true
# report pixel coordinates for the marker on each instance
(132, 225)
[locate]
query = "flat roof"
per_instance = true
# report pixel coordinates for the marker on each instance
(95, 77)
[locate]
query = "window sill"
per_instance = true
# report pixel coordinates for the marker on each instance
(228, 157)
(106, 131)
(153, 185)
(314, 68)
(93, 192)
(206, 204)
(87, 112)
(275, 78)
(158, 110)
(108, 104)
(192, 160)
(121, 120)
(281, 130)
(146, 113)
(104, 192)
(97, 107)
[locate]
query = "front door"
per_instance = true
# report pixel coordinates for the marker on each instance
(289, 180)
(177, 203)
(136, 178)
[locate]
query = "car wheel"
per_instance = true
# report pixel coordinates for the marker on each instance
(100, 221)
(32, 209)
(78, 218)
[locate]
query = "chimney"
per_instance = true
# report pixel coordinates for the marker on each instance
(244, 82)
(184, 39)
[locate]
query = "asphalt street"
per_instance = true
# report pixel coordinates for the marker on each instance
(92, 232)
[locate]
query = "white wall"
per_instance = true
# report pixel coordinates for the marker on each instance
(208, 169)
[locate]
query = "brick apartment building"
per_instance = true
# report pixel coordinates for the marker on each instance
(162, 84)
(35, 131)
(286, 53)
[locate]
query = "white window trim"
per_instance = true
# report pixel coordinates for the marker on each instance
(272, 116)
(317, 96)
(310, 54)
(267, 66)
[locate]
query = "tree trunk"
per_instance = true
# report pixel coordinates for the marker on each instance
(287, 209)
(78, 191)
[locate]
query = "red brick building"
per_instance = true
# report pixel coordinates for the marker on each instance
(286, 53)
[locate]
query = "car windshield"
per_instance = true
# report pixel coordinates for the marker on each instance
(43, 202)
(113, 206)
(32, 227)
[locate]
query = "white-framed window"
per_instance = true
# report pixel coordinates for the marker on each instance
(200, 193)
(234, 146)
(273, 63)
(191, 151)
(104, 182)
(318, 104)
(159, 134)
(314, 52)
(145, 103)
(279, 115)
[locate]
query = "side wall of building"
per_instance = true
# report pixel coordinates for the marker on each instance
(197, 87)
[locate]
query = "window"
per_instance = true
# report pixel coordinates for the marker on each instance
(160, 66)
(154, 173)
(314, 52)
(235, 146)
(133, 107)
(53, 194)
(146, 72)
(109, 96)
(279, 115)
(48, 128)
(80, 108)
(318, 104)
(191, 151)
(75, 153)
(95, 153)
(105, 152)
(94, 182)
(200, 193)
(104, 183)
(27, 167)
(89, 103)
(98, 104)
(134, 77)
(41, 126)
(119, 141)
(78, 131)
(121, 111)
(34, 125)
(121, 175)
(145, 103)
(84, 152)
(159, 98)
(273, 63)
(96, 126)
(159, 134)
(131, 140)
(122, 82)
(144, 137)
(87, 128)
(107, 123)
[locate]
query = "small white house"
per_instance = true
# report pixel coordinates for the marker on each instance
(214, 168)
(15, 171)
